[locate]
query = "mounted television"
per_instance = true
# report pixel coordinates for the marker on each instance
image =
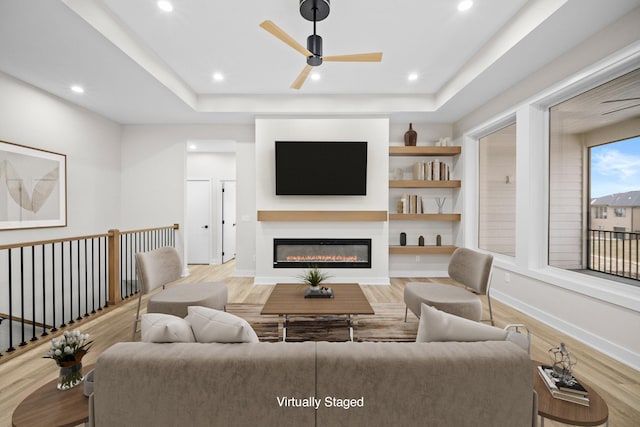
(313, 168)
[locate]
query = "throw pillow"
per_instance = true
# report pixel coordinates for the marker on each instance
(158, 327)
(436, 325)
(210, 325)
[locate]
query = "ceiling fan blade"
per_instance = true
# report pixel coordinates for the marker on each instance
(358, 57)
(279, 33)
(299, 81)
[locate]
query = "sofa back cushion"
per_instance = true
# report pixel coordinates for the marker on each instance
(211, 325)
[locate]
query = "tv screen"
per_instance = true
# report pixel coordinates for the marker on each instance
(305, 168)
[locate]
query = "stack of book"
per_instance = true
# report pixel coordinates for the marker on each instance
(571, 391)
(431, 171)
(410, 204)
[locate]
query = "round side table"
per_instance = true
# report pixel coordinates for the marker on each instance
(48, 406)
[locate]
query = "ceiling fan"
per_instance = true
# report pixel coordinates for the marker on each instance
(315, 10)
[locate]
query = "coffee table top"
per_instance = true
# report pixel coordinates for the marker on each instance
(48, 406)
(288, 299)
(567, 412)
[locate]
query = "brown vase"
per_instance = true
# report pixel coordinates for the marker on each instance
(410, 136)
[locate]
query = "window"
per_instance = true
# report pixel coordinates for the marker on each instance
(594, 179)
(497, 191)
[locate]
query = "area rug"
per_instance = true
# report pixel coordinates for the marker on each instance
(387, 324)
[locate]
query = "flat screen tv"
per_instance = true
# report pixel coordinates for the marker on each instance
(313, 168)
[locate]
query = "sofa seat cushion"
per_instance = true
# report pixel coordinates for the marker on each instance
(445, 297)
(175, 299)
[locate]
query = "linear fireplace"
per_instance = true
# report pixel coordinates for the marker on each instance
(333, 253)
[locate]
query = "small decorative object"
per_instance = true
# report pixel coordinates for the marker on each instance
(438, 240)
(440, 203)
(400, 206)
(403, 239)
(421, 241)
(68, 352)
(320, 292)
(398, 174)
(313, 277)
(410, 136)
(563, 363)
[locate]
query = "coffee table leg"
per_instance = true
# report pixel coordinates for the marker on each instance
(350, 323)
(284, 328)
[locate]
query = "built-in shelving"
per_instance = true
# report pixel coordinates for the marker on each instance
(424, 217)
(320, 216)
(422, 250)
(421, 183)
(424, 151)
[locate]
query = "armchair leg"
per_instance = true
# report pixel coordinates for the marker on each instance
(490, 310)
(405, 313)
(137, 320)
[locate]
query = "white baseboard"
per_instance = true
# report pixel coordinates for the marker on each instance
(244, 273)
(271, 280)
(612, 350)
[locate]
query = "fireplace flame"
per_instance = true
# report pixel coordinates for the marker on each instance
(321, 258)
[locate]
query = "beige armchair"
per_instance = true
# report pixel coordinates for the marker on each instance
(162, 266)
(467, 267)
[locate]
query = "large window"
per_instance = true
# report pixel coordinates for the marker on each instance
(594, 179)
(497, 191)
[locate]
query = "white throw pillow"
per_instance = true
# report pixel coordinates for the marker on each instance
(210, 325)
(159, 327)
(436, 325)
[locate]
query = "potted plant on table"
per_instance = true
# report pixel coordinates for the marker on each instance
(313, 277)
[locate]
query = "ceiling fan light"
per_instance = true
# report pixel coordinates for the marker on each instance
(77, 89)
(315, 77)
(412, 77)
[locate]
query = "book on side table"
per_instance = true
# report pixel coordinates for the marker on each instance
(571, 392)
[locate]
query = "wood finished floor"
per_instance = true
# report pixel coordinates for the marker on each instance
(24, 372)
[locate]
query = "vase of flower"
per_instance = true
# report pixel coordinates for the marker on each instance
(70, 376)
(68, 352)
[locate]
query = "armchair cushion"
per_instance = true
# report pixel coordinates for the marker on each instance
(211, 325)
(158, 327)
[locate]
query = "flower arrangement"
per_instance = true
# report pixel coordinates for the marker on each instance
(69, 349)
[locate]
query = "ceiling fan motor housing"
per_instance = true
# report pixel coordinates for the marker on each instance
(314, 45)
(321, 9)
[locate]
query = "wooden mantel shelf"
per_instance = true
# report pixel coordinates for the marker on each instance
(319, 216)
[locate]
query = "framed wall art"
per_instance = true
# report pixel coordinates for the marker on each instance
(33, 187)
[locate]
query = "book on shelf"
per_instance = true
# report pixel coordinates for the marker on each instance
(551, 382)
(411, 204)
(431, 171)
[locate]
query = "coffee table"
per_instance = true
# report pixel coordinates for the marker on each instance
(48, 406)
(597, 413)
(288, 300)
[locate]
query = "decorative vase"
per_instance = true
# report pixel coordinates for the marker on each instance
(403, 239)
(438, 240)
(410, 136)
(70, 376)
(421, 241)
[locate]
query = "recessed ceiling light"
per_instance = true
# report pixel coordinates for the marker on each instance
(165, 6)
(77, 89)
(465, 5)
(315, 76)
(218, 77)
(193, 147)
(412, 77)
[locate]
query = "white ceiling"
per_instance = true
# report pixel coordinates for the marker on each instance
(139, 64)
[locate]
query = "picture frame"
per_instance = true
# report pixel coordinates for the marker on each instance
(33, 187)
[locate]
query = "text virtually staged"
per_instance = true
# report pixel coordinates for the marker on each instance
(316, 402)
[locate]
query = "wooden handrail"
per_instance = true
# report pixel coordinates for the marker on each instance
(142, 230)
(48, 242)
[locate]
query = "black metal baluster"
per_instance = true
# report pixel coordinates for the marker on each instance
(62, 325)
(23, 342)
(106, 277)
(79, 280)
(44, 296)
(122, 291)
(93, 277)
(86, 279)
(71, 321)
(33, 294)
(10, 349)
(53, 286)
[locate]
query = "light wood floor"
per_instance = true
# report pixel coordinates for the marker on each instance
(618, 384)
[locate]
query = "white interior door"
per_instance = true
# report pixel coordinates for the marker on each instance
(228, 220)
(198, 221)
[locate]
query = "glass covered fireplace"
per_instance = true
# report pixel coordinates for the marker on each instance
(326, 253)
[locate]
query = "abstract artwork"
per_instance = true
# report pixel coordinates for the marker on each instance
(32, 187)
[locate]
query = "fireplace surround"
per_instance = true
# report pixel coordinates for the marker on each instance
(324, 253)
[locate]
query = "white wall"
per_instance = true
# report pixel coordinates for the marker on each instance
(31, 117)
(375, 131)
(154, 173)
(602, 313)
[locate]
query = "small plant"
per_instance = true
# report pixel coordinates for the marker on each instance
(314, 276)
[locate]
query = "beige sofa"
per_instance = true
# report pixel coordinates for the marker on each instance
(454, 384)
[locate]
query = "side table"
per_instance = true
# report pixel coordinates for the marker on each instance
(597, 413)
(48, 406)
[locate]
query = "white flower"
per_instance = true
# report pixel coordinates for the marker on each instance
(57, 352)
